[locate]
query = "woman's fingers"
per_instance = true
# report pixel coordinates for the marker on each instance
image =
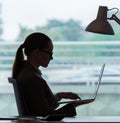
(69, 95)
(73, 95)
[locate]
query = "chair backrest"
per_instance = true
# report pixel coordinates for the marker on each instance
(21, 106)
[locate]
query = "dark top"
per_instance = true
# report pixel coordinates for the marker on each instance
(39, 98)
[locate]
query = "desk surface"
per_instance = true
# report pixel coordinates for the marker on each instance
(69, 120)
(93, 119)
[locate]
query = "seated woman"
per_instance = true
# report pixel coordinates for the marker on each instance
(38, 97)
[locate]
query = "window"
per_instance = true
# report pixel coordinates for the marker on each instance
(78, 55)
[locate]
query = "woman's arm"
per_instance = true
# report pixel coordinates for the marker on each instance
(67, 95)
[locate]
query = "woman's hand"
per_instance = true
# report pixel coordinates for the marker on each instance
(67, 95)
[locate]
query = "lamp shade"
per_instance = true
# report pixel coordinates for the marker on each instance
(100, 24)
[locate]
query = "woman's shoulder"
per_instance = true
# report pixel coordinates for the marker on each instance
(28, 72)
(26, 66)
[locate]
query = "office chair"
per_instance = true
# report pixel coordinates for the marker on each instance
(21, 106)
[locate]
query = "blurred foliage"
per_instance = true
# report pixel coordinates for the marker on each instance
(57, 30)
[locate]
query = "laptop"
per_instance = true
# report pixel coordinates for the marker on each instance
(86, 101)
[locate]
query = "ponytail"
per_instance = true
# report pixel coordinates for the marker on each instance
(18, 61)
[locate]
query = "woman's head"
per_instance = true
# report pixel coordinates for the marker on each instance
(38, 49)
(36, 41)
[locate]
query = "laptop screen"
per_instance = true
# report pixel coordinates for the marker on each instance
(99, 79)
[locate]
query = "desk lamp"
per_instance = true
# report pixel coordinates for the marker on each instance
(100, 24)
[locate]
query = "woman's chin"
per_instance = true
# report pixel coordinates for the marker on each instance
(45, 65)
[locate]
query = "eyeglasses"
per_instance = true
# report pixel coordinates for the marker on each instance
(48, 52)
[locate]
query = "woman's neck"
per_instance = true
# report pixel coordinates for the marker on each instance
(33, 63)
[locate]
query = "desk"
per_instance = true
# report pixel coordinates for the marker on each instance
(93, 119)
(81, 119)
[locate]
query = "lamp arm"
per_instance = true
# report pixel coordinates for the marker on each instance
(114, 17)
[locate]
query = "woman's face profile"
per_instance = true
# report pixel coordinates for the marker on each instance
(45, 55)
